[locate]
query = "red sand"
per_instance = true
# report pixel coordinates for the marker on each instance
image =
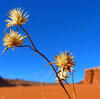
(49, 92)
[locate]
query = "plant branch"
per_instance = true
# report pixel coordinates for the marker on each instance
(62, 85)
(28, 37)
(68, 84)
(73, 86)
(26, 46)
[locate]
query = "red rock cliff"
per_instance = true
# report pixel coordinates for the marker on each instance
(92, 76)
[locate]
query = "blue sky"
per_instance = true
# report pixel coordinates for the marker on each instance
(55, 26)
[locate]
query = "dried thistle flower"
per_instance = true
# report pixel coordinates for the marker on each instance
(65, 61)
(17, 17)
(12, 39)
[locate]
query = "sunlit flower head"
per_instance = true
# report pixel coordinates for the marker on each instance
(65, 61)
(16, 17)
(13, 39)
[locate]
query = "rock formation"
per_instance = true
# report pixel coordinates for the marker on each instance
(17, 82)
(92, 76)
(4, 82)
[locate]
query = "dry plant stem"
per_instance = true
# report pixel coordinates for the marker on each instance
(26, 46)
(68, 84)
(28, 37)
(74, 93)
(73, 86)
(35, 49)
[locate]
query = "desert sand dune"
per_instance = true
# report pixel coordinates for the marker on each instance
(84, 91)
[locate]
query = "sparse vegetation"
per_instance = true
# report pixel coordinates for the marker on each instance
(63, 62)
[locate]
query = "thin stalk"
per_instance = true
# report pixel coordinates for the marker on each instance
(71, 89)
(73, 86)
(68, 84)
(26, 46)
(28, 37)
(62, 85)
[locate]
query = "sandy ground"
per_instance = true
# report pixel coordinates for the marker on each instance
(49, 92)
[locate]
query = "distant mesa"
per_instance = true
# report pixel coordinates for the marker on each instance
(17, 82)
(4, 83)
(92, 76)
